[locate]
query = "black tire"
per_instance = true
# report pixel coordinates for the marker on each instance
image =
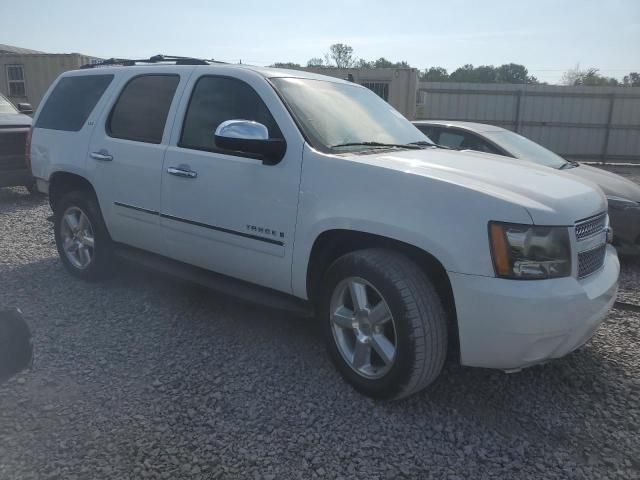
(101, 263)
(418, 316)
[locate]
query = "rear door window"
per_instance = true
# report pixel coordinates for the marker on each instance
(71, 102)
(140, 114)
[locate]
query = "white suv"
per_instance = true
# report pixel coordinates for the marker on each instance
(300, 190)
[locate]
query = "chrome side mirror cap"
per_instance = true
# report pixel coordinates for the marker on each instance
(242, 129)
(250, 138)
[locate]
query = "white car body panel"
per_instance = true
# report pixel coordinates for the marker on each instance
(237, 194)
(510, 324)
(409, 181)
(134, 175)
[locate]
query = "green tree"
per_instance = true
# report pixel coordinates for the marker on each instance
(286, 65)
(315, 62)
(593, 78)
(514, 73)
(362, 63)
(434, 74)
(589, 77)
(507, 73)
(341, 55)
(469, 73)
(384, 63)
(632, 80)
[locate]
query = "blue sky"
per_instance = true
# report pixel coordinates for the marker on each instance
(547, 36)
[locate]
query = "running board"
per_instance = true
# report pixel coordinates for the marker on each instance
(233, 287)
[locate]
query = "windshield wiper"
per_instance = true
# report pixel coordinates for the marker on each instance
(377, 145)
(429, 144)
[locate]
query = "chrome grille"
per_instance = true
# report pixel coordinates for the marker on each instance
(591, 248)
(590, 226)
(591, 260)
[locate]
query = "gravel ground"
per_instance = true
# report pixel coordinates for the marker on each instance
(147, 377)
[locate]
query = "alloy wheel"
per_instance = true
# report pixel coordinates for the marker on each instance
(78, 241)
(363, 327)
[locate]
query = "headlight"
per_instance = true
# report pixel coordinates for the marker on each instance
(619, 203)
(529, 252)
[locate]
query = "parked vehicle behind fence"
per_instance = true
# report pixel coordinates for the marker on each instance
(14, 131)
(623, 196)
(312, 193)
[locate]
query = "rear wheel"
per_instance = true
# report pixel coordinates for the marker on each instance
(83, 242)
(384, 323)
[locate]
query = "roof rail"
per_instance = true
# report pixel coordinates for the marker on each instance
(155, 59)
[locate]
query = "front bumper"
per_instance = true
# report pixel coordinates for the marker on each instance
(510, 324)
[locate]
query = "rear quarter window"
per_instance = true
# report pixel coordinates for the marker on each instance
(71, 102)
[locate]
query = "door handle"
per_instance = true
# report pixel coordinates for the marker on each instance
(181, 172)
(102, 155)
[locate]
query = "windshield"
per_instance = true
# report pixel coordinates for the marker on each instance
(6, 106)
(521, 147)
(338, 116)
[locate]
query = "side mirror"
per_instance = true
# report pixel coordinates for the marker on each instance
(25, 108)
(250, 137)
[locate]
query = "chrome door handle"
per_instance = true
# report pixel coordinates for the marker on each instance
(180, 172)
(102, 155)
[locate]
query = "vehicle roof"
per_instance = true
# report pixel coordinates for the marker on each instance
(472, 126)
(266, 72)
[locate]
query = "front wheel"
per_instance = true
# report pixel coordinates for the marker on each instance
(384, 323)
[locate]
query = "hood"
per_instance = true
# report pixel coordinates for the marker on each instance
(610, 183)
(550, 197)
(14, 120)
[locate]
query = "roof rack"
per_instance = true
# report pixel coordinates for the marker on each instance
(155, 59)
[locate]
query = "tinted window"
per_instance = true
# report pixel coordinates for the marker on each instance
(465, 141)
(217, 99)
(429, 131)
(484, 146)
(451, 139)
(521, 147)
(140, 113)
(71, 102)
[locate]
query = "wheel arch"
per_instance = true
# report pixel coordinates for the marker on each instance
(332, 244)
(62, 182)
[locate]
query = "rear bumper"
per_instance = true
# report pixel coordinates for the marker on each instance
(509, 324)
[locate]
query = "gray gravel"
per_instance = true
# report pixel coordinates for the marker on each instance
(147, 377)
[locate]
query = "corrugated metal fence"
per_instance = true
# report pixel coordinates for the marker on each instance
(583, 123)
